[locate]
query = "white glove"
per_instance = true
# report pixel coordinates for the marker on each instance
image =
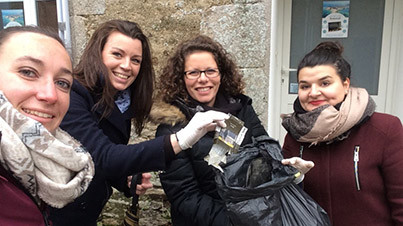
(199, 125)
(302, 165)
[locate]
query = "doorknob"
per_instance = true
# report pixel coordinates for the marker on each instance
(287, 70)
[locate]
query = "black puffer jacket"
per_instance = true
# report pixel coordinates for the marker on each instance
(189, 181)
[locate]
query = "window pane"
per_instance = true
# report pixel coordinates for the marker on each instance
(47, 14)
(12, 14)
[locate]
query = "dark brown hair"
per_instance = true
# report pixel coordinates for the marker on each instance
(327, 53)
(92, 73)
(172, 84)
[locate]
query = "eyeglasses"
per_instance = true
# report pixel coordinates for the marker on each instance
(195, 74)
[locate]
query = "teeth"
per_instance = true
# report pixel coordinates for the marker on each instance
(121, 75)
(204, 89)
(37, 113)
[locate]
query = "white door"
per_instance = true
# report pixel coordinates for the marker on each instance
(298, 27)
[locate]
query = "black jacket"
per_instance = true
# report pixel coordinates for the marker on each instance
(189, 181)
(106, 140)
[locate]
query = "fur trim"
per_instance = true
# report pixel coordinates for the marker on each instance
(164, 113)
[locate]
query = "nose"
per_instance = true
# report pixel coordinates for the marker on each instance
(125, 64)
(315, 91)
(47, 92)
(203, 76)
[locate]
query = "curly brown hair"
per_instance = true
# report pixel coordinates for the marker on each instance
(171, 83)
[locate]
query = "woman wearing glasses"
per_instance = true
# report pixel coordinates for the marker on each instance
(200, 76)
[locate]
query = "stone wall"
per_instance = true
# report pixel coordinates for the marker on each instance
(241, 26)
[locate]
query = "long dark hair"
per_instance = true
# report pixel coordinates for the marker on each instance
(172, 84)
(327, 53)
(92, 73)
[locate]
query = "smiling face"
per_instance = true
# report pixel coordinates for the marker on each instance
(36, 79)
(320, 85)
(203, 89)
(122, 56)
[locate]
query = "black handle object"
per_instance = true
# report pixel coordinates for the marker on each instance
(131, 217)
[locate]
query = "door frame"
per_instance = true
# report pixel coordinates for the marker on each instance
(279, 55)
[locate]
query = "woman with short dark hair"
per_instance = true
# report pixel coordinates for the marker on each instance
(358, 153)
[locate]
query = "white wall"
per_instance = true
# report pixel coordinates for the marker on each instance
(396, 107)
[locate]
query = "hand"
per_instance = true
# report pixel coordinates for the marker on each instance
(302, 165)
(129, 181)
(145, 183)
(199, 125)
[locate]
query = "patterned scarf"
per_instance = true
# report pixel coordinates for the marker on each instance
(52, 167)
(123, 100)
(327, 123)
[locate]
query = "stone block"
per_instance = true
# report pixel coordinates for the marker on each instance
(241, 29)
(78, 37)
(88, 7)
(257, 83)
(247, 1)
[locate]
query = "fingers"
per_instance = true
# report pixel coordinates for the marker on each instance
(219, 118)
(211, 117)
(221, 124)
(145, 184)
(300, 164)
(198, 126)
(146, 176)
(140, 190)
(216, 115)
(129, 181)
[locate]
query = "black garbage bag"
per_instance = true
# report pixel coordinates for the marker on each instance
(258, 190)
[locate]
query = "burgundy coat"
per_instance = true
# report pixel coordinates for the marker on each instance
(16, 207)
(373, 195)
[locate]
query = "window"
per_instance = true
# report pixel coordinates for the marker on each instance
(52, 14)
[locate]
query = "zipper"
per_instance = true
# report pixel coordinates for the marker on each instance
(356, 159)
(301, 149)
(45, 217)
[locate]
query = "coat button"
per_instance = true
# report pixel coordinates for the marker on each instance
(83, 205)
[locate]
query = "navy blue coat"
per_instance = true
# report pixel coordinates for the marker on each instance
(189, 181)
(106, 140)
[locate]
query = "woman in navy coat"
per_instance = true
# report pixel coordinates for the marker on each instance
(113, 86)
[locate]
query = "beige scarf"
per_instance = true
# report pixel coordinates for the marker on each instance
(326, 123)
(52, 167)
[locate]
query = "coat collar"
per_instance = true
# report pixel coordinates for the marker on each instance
(164, 113)
(116, 118)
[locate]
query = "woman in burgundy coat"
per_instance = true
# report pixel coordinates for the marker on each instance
(358, 153)
(41, 165)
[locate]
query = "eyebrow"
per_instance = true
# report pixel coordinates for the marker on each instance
(117, 48)
(321, 79)
(42, 64)
(29, 58)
